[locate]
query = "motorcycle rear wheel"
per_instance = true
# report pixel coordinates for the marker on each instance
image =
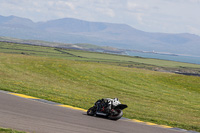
(116, 117)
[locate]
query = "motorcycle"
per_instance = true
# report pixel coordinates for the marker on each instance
(114, 112)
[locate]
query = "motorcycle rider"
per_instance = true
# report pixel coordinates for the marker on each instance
(110, 108)
(106, 103)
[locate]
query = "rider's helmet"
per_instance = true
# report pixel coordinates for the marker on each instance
(116, 101)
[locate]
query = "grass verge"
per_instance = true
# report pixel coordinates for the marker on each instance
(5, 130)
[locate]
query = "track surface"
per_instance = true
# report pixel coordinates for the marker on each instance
(33, 116)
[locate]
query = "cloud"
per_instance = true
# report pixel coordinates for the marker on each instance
(193, 30)
(64, 4)
(136, 6)
(106, 11)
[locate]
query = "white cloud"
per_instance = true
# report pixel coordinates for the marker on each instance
(195, 1)
(132, 5)
(64, 4)
(193, 30)
(106, 11)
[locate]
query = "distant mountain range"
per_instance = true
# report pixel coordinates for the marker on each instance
(69, 30)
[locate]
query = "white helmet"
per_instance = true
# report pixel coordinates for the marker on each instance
(116, 101)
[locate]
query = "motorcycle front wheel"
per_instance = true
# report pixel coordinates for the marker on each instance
(91, 111)
(117, 116)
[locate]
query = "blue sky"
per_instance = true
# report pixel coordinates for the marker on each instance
(167, 16)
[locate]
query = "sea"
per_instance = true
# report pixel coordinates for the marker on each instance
(171, 57)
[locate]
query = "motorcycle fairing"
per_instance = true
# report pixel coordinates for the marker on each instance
(121, 106)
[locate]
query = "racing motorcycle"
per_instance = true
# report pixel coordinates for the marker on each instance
(110, 108)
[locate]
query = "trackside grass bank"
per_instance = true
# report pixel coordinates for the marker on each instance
(4, 130)
(162, 98)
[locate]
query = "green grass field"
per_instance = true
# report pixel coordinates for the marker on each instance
(79, 78)
(119, 60)
(4, 130)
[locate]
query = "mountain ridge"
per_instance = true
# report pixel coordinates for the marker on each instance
(70, 30)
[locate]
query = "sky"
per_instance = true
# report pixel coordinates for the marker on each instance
(166, 16)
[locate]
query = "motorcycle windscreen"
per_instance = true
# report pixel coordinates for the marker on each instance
(121, 106)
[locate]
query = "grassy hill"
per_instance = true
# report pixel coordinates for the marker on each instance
(80, 46)
(5, 130)
(79, 78)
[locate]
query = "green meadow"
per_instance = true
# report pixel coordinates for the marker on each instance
(79, 78)
(4, 130)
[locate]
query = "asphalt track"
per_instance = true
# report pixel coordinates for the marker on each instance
(40, 117)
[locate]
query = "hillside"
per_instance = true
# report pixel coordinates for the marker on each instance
(69, 30)
(78, 46)
(79, 78)
(112, 59)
